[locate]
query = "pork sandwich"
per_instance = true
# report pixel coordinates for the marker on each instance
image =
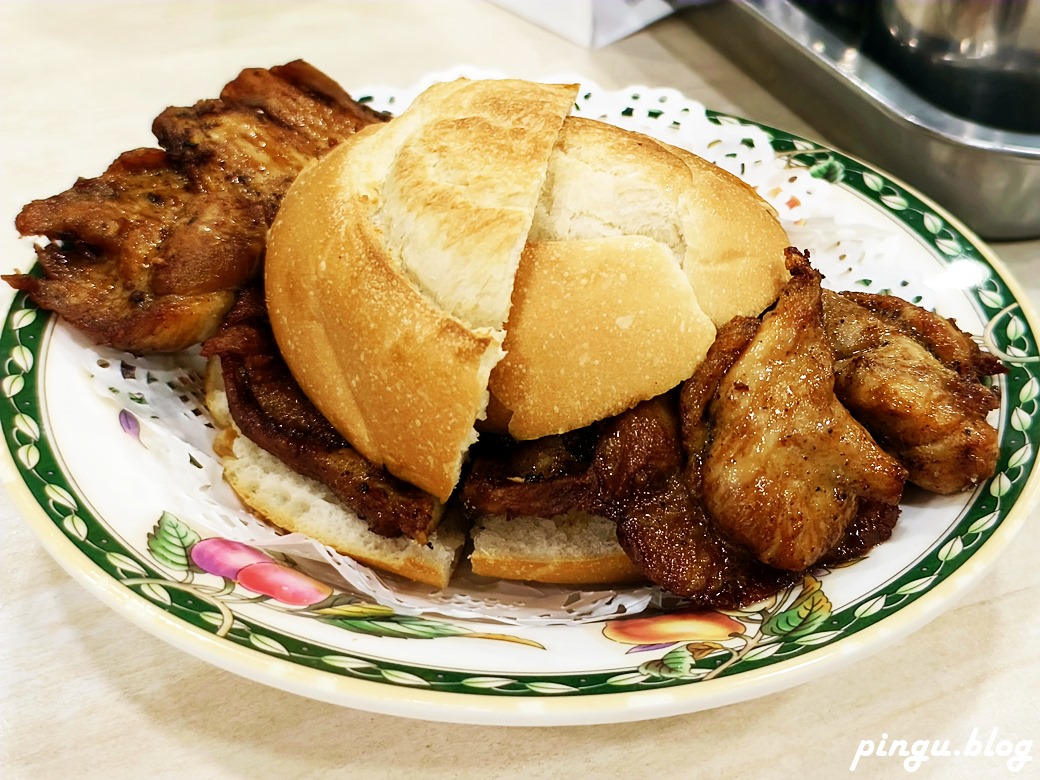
(487, 265)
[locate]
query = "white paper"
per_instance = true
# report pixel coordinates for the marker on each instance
(589, 23)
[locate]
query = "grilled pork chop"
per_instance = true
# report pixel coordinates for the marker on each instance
(269, 407)
(138, 261)
(648, 472)
(913, 379)
(147, 256)
(661, 522)
(785, 468)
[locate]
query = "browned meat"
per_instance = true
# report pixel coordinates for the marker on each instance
(135, 260)
(956, 349)
(269, 407)
(662, 526)
(913, 379)
(651, 481)
(629, 469)
(543, 477)
(266, 125)
(147, 256)
(786, 468)
(872, 525)
(588, 469)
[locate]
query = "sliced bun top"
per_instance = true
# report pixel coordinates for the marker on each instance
(597, 326)
(390, 267)
(637, 251)
(482, 224)
(455, 202)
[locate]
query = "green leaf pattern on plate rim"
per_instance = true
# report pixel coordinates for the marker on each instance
(794, 623)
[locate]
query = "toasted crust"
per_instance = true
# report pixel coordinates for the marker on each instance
(378, 330)
(735, 245)
(484, 240)
(582, 312)
(400, 379)
(606, 181)
(459, 197)
(637, 251)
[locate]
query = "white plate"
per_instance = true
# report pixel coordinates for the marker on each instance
(113, 516)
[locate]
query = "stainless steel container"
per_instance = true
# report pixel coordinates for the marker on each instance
(863, 72)
(979, 59)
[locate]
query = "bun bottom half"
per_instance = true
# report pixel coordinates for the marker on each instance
(295, 503)
(574, 549)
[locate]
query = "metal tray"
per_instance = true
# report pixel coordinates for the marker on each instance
(989, 178)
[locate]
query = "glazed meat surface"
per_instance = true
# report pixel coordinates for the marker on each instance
(914, 380)
(874, 520)
(654, 492)
(542, 477)
(136, 260)
(661, 523)
(785, 468)
(261, 132)
(269, 407)
(147, 256)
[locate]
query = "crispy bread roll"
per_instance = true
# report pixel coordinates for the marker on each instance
(606, 181)
(390, 268)
(597, 326)
(637, 251)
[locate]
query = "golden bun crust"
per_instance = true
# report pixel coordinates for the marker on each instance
(597, 326)
(606, 181)
(457, 199)
(485, 255)
(392, 343)
(637, 251)
(735, 245)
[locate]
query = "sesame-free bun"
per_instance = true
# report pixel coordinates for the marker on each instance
(638, 250)
(597, 326)
(390, 268)
(606, 181)
(485, 239)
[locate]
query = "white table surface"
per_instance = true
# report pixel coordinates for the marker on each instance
(85, 693)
